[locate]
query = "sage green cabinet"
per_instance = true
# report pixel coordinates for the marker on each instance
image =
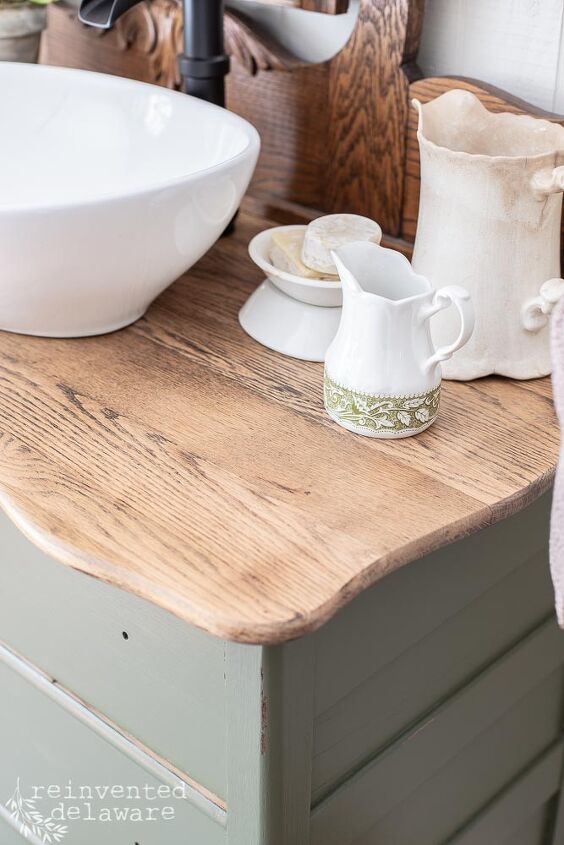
(429, 711)
(155, 677)
(44, 744)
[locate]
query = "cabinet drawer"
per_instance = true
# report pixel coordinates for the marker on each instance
(155, 677)
(48, 740)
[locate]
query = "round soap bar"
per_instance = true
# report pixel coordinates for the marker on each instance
(332, 231)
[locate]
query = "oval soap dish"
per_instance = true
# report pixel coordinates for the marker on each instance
(288, 313)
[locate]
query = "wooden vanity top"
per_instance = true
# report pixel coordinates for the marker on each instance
(180, 460)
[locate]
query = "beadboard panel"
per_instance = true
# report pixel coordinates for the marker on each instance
(524, 811)
(404, 608)
(164, 684)
(524, 687)
(43, 744)
(399, 694)
(435, 811)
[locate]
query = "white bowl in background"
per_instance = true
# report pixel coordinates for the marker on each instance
(109, 190)
(322, 292)
(287, 313)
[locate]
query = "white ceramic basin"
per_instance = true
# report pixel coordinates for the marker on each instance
(109, 190)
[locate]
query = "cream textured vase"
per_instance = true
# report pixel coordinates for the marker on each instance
(489, 220)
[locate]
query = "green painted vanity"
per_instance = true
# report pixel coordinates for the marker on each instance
(301, 636)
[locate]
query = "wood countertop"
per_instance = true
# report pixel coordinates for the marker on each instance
(181, 461)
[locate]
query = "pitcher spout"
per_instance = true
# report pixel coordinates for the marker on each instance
(346, 276)
(369, 269)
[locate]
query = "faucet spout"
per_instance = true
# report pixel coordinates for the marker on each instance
(103, 13)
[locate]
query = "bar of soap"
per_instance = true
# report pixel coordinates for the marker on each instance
(331, 232)
(285, 254)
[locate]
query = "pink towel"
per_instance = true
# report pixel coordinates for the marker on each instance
(557, 522)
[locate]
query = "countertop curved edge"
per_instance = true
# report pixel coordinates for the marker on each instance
(294, 626)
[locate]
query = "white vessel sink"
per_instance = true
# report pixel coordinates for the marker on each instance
(109, 190)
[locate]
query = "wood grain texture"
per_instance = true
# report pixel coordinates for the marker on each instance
(254, 52)
(414, 31)
(144, 44)
(293, 162)
(328, 7)
(182, 461)
(334, 133)
(427, 89)
(368, 102)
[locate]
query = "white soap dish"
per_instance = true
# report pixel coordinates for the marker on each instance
(288, 313)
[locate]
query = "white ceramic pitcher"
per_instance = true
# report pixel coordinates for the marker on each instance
(489, 219)
(382, 372)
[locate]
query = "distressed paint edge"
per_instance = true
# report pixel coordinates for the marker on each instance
(270, 705)
(197, 795)
(247, 744)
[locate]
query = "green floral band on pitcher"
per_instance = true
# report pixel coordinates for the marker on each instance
(381, 413)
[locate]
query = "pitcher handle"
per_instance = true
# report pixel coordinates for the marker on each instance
(443, 298)
(536, 311)
(548, 181)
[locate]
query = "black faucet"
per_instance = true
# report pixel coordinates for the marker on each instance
(203, 65)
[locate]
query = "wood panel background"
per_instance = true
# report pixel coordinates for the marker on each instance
(330, 7)
(337, 136)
